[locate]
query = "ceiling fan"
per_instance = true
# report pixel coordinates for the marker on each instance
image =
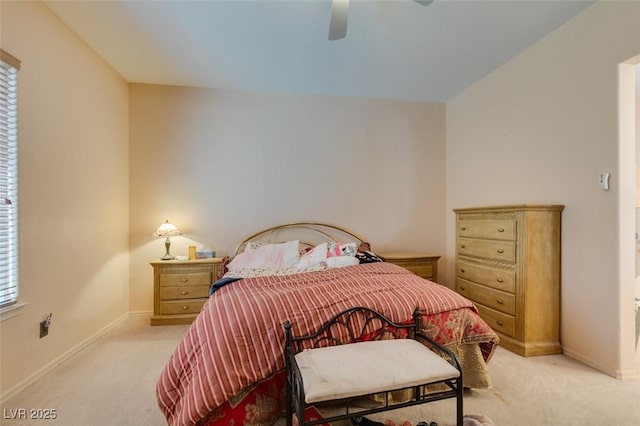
(339, 13)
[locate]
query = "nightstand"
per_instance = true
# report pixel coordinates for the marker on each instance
(423, 265)
(180, 289)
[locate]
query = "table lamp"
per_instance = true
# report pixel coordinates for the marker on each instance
(167, 230)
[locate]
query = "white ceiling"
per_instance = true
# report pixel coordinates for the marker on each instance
(395, 49)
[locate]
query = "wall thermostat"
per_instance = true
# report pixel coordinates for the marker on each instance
(604, 180)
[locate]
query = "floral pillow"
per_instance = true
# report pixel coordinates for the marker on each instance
(341, 249)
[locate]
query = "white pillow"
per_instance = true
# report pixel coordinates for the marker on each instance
(341, 261)
(314, 257)
(268, 256)
(252, 245)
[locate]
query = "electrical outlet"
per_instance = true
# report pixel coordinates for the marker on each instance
(44, 328)
(45, 324)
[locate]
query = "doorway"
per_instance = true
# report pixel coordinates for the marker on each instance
(629, 212)
(637, 278)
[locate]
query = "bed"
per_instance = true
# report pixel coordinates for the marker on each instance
(229, 367)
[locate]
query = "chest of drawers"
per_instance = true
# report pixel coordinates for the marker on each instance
(508, 264)
(180, 289)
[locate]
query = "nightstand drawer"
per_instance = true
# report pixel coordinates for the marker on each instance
(422, 269)
(177, 307)
(495, 278)
(499, 300)
(186, 292)
(423, 265)
(494, 229)
(500, 322)
(191, 279)
(488, 249)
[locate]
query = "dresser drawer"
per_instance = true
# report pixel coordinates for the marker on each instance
(505, 324)
(495, 278)
(187, 279)
(184, 292)
(488, 249)
(498, 300)
(493, 229)
(179, 307)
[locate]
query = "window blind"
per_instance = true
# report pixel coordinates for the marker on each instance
(9, 66)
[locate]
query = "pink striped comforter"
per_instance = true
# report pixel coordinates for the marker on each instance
(237, 340)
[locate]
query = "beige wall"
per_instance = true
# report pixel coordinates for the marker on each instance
(539, 130)
(224, 164)
(73, 195)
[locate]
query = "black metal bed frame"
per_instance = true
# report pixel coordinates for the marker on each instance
(351, 326)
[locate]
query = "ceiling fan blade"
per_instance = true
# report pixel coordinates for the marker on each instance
(338, 25)
(424, 2)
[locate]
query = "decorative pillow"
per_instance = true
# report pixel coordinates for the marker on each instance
(313, 257)
(341, 249)
(341, 261)
(367, 257)
(364, 246)
(252, 245)
(224, 267)
(268, 256)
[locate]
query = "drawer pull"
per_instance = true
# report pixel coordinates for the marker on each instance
(500, 229)
(500, 301)
(464, 228)
(500, 280)
(185, 292)
(500, 323)
(463, 246)
(500, 251)
(461, 288)
(185, 279)
(185, 308)
(462, 270)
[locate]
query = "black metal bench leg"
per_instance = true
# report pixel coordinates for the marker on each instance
(300, 415)
(459, 396)
(288, 395)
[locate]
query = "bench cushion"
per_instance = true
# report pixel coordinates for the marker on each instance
(364, 368)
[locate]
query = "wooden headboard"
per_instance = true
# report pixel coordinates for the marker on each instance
(308, 233)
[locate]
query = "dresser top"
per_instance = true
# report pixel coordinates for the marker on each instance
(514, 207)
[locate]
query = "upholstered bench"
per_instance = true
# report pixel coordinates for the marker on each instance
(359, 353)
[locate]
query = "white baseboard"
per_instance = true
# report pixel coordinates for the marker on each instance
(63, 357)
(631, 374)
(140, 313)
(616, 373)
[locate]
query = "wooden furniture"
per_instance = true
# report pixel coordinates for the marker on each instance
(508, 263)
(423, 265)
(180, 288)
(333, 369)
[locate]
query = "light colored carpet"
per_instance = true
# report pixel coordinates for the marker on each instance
(112, 382)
